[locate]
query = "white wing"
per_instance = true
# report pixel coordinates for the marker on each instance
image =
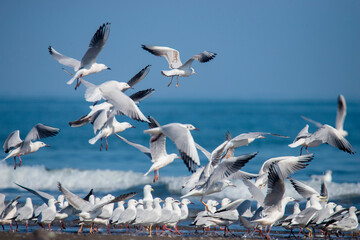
(341, 113)
(12, 141)
(304, 190)
(97, 43)
(184, 142)
(64, 60)
(276, 187)
(142, 148)
(170, 54)
(317, 124)
(124, 104)
(99, 119)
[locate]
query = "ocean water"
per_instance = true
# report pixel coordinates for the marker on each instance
(80, 166)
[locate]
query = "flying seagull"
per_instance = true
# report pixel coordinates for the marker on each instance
(173, 57)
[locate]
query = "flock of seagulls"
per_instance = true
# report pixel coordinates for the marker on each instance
(222, 168)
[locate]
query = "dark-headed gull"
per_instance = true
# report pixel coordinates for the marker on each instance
(18, 147)
(173, 57)
(88, 64)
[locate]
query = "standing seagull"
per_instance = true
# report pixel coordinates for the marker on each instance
(88, 64)
(325, 134)
(173, 57)
(157, 151)
(18, 147)
(181, 136)
(340, 117)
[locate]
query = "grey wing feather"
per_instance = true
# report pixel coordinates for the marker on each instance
(12, 141)
(139, 76)
(76, 201)
(317, 124)
(341, 113)
(184, 142)
(141, 95)
(42, 195)
(243, 175)
(40, 131)
(158, 147)
(119, 198)
(330, 135)
(255, 191)
(231, 206)
(64, 60)
(202, 57)
(304, 190)
(97, 43)
(228, 167)
(142, 148)
(124, 104)
(8, 207)
(204, 151)
(171, 55)
(98, 120)
(323, 190)
(276, 187)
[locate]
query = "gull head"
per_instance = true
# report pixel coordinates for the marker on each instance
(225, 202)
(193, 71)
(39, 145)
(174, 155)
(122, 86)
(103, 67)
(186, 201)
(127, 125)
(191, 127)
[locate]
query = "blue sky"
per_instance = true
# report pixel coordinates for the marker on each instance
(266, 49)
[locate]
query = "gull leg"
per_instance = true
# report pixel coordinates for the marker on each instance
(307, 150)
(177, 84)
(301, 150)
(77, 83)
(201, 200)
(154, 176)
(91, 228)
(108, 228)
(81, 228)
(50, 227)
(230, 152)
(177, 230)
(95, 103)
(107, 144)
(150, 230)
(268, 234)
(27, 229)
(157, 176)
(101, 144)
(15, 162)
(20, 160)
(170, 81)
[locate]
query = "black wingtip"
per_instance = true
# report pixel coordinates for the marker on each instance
(50, 50)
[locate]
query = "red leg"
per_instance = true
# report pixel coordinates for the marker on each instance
(170, 81)
(20, 161)
(15, 162)
(50, 227)
(107, 144)
(301, 150)
(27, 230)
(108, 228)
(307, 151)
(177, 78)
(101, 144)
(157, 176)
(154, 177)
(177, 230)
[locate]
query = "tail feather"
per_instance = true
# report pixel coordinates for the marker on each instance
(92, 93)
(94, 139)
(73, 78)
(297, 143)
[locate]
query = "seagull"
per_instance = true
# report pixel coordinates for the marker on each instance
(244, 139)
(18, 147)
(147, 194)
(181, 136)
(111, 126)
(88, 210)
(47, 216)
(340, 117)
(173, 57)
(117, 211)
(7, 215)
(218, 179)
(274, 202)
(112, 93)
(325, 134)
(25, 213)
(157, 151)
(287, 165)
(88, 64)
(129, 215)
(327, 177)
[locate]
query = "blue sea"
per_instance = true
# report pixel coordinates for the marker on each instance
(80, 166)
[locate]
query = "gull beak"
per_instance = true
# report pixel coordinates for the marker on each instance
(260, 187)
(131, 88)
(162, 201)
(196, 129)
(181, 204)
(58, 202)
(195, 73)
(324, 199)
(233, 185)
(108, 68)
(191, 203)
(47, 145)
(133, 127)
(262, 137)
(152, 190)
(296, 200)
(178, 157)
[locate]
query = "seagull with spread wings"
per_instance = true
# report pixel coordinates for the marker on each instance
(340, 117)
(88, 64)
(156, 152)
(17, 147)
(173, 57)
